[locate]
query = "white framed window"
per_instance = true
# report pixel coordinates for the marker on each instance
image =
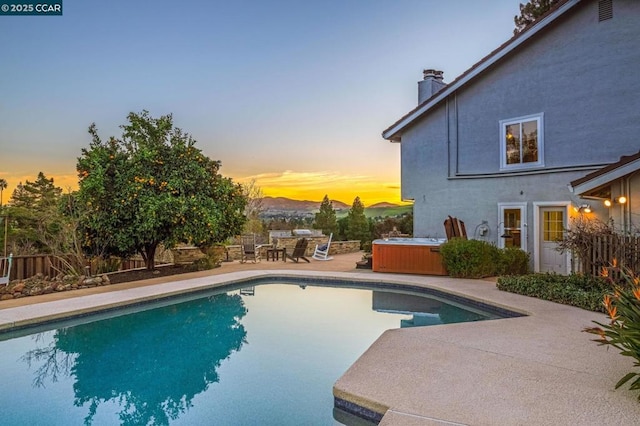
(512, 229)
(522, 142)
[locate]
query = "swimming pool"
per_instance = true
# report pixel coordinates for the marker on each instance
(266, 354)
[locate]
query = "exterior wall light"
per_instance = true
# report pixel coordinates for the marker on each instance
(584, 208)
(618, 200)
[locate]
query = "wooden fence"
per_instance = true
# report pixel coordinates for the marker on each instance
(604, 250)
(48, 265)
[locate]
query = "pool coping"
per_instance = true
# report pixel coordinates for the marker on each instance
(535, 369)
(17, 318)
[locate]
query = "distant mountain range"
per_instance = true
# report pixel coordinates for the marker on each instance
(283, 203)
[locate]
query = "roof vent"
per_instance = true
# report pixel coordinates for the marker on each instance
(605, 10)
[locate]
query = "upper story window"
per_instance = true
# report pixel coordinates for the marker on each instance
(522, 142)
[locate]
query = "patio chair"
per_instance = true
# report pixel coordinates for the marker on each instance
(454, 227)
(322, 251)
(299, 251)
(250, 250)
(5, 269)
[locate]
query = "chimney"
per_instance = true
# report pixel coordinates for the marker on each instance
(431, 84)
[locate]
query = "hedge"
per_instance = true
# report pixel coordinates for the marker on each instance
(583, 291)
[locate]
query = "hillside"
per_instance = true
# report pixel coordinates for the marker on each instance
(286, 207)
(383, 204)
(387, 210)
(283, 203)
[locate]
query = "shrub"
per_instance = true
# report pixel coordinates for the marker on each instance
(623, 332)
(470, 258)
(583, 291)
(513, 261)
(213, 256)
(204, 263)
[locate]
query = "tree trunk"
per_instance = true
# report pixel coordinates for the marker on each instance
(150, 256)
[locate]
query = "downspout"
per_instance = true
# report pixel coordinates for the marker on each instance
(628, 181)
(455, 101)
(627, 206)
(448, 138)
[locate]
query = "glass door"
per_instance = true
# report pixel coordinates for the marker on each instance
(512, 229)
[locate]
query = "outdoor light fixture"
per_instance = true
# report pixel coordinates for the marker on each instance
(584, 208)
(618, 200)
(506, 232)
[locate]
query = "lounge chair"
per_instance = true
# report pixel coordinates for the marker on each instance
(250, 250)
(299, 251)
(322, 250)
(454, 227)
(5, 269)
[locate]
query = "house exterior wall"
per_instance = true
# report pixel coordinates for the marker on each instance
(634, 203)
(626, 217)
(580, 73)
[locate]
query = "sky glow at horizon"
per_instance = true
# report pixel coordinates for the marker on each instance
(292, 94)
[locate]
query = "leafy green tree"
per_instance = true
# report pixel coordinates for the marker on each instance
(343, 223)
(385, 226)
(358, 227)
(531, 11)
(325, 219)
(406, 224)
(153, 187)
(41, 194)
(33, 215)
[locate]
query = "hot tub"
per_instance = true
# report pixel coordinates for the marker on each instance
(409, 256)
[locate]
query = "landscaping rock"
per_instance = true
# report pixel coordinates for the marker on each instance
(90, 282)
(40, 284)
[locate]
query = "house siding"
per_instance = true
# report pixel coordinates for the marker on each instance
(580, 73)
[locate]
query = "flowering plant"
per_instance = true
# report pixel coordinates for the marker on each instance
(623, 331)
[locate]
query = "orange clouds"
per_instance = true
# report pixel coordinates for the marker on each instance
(299, 185)
(313, 185)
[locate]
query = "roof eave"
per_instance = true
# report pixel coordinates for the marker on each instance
(606, 178)
(394, 132)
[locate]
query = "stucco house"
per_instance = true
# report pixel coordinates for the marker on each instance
(543, 129)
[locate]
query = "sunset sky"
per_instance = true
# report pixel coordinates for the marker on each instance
(294, 94)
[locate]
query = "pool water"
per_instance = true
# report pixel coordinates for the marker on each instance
(266, 355)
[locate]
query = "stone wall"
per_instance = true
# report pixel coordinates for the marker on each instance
(186, 255)
(337, 247)
(341, 247)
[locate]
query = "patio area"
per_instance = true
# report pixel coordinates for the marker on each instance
(539, 369)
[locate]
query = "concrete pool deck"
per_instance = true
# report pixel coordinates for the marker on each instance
(534, 370)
